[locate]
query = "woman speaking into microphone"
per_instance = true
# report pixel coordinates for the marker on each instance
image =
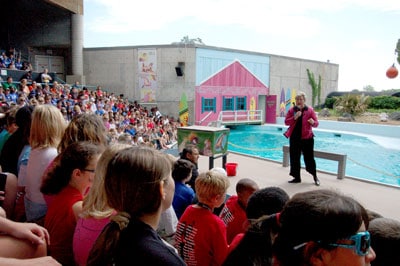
(301, 119)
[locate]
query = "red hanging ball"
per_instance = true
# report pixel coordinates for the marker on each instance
(392, 72)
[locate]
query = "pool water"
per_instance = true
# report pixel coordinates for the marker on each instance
(365, 159)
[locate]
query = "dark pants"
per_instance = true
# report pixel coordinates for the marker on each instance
(305, 146)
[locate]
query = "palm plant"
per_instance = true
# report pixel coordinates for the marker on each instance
(351, 104)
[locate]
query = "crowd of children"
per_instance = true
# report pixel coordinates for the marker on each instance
(88, 183)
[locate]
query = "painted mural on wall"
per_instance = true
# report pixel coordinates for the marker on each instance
(287, 100)
(282, 105)
(183, 110)
(147, 66)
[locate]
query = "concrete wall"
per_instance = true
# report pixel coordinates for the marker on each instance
(116, 69)
(287, 72)
(112, 68)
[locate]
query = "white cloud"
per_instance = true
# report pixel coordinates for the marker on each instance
(292, 28)
(262, 16)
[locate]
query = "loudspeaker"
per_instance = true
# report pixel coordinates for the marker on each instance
(180, 69)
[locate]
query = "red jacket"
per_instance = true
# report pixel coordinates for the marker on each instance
(306, 128)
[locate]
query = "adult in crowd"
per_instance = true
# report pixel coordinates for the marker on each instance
(301, 119)
(23, 88)
(9, 84)
(191, 153)
(45, 76)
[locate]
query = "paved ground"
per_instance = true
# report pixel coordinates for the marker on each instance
(379, 198)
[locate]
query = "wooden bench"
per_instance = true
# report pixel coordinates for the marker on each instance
(340, 158)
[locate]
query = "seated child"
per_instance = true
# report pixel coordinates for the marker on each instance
(184, 195)
(201, 236)
(95, 211)
(385, 239)
(234, 212)
(67, 182)
(251, 247)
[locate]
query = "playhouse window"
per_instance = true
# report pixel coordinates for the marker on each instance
(208, 105)
(240, 103)
(227, 104)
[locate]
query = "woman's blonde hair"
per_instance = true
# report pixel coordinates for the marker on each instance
(210, 184)
(48, 126)
(95, 203)
(84, 127)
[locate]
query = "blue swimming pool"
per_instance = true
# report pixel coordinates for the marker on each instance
(366, 159)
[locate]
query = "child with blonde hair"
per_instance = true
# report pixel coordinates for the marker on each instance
(48, 126)
(201, 236)
(95, 211)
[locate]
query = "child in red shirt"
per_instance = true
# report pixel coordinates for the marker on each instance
(201, 235)
(234, 212)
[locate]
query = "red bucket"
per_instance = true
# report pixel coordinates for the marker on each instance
(231, 169)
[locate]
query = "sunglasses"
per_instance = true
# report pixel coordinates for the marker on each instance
(361, 243)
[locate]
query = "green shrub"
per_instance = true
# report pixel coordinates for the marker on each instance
(329, 102)
(384, 102)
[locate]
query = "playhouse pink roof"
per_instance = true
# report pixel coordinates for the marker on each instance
(234, 75)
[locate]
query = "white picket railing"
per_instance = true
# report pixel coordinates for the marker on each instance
(240, 117)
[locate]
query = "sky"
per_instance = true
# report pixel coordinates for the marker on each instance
(359, 35)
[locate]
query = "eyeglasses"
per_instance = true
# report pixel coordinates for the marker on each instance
(88, 170)
(361, 243)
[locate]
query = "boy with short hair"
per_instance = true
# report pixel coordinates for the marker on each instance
(184, 194)
(234, 212)
(201, 236)
(385, 239)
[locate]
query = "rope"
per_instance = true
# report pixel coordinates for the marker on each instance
(373, 169)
